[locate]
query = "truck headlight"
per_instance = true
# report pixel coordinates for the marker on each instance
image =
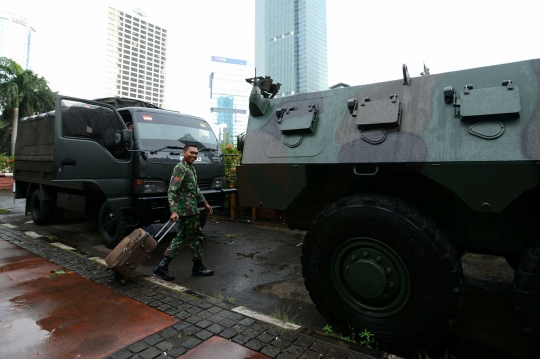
(149, 186)
(218, 182)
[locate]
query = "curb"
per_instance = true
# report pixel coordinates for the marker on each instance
(248, 221)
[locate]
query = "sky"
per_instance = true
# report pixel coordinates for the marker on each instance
(368, 41)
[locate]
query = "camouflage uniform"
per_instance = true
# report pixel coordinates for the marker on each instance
(184, 197)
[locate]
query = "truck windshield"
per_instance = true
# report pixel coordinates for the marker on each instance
(157, 130)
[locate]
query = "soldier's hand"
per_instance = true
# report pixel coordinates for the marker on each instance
(208, 208)
(174, 217)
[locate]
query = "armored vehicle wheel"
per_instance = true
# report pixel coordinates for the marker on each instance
(527, 294)
(112, 225)
(374, 262)
(42, 211)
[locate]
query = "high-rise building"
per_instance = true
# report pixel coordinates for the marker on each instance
(16, 39)
(290, 44)
(136, 57)
(229, 93)
(226, 118)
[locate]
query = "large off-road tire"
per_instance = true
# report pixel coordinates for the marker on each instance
(375, 262)
(527, 294)
(42, 211)
(113, 225)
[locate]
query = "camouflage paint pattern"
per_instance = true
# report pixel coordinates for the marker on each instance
(484, 165)
(184, 193)
(188, 232)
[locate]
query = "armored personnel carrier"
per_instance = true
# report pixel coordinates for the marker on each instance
(393, 183)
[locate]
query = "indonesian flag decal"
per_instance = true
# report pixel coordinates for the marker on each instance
(147, 117)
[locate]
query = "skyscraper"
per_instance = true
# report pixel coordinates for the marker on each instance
(229, 94)
(290, 44)
(136, 57)
(16, 39)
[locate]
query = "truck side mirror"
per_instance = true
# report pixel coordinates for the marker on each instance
(127, 138)
(240, 141)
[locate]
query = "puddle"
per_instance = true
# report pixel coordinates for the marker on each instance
(247, 255)
(20, 334)
(287, 289)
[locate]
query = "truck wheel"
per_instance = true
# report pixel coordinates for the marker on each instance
(375, 262)
(527, 294)
(42, 211)
(112, 225)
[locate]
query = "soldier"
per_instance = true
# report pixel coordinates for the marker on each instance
(184, 196)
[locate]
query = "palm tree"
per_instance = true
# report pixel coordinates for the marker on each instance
(22, 93)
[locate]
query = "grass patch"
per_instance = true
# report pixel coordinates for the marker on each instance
(56, 273)
(51, 239)
(365, 338)
(79, 253)
(223, 298)
(284, 315)
(4, 211)
(219, 296)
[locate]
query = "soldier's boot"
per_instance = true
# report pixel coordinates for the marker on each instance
(162, 269)
(200, 269)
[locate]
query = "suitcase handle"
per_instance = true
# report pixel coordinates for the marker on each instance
(161, 230)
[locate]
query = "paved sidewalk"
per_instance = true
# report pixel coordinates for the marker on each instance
(199, 326)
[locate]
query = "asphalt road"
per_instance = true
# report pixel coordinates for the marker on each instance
(259, 267)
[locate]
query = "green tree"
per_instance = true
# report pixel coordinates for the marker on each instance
(232, 158)
(22, 93)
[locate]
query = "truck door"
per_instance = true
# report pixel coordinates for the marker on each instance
(88, 148)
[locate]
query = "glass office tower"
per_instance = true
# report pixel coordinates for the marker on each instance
(291, 45)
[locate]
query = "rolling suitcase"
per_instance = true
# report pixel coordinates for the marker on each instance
(132, 251)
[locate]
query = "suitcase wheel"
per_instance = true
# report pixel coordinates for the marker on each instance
(119, 279)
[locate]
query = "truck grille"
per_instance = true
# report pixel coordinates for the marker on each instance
(204, 184)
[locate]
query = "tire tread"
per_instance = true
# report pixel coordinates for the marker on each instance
(447, 253)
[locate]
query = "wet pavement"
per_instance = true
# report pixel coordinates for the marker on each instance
(50, 312)
(217, 347)
(58, 303)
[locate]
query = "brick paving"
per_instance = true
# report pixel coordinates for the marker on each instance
(201, 318)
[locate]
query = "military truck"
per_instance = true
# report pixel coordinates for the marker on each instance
(393, 183)
(82, 159)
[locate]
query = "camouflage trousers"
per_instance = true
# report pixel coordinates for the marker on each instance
(188, 232)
